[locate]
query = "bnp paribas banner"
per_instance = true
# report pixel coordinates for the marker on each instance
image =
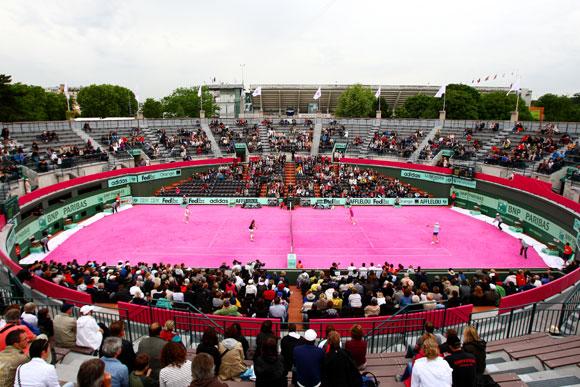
(143, 177)
(443, 179)
(540, 226)
(63, 212)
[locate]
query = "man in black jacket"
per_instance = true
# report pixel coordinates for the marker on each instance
(462, 363)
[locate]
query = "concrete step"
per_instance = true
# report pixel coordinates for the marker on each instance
(568, 373)
(519, 367)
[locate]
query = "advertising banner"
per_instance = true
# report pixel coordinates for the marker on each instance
(442, 179)
(143, 177)
(541, 227)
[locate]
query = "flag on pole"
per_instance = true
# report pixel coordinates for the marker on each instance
(441, 91)
(514, 87)
(65, 91)
(378, 93)
(318, 94)
(199, 91)
(495, 76)
(257, 92)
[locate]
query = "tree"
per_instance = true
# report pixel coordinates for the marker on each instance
(184, 102)
(356, 101)
(420, 106)
(8, 99)
(559, 108)
(56, 106)
(385, 110)
(462, 102)
(107, 101)
(152, 108)
(499, 106)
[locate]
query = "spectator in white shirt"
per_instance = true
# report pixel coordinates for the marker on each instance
(89, 334)
(354, 299)
(251, 288)
(351, 270)
(37, 372)
(362, 271)
(29, 314)
(431, 370)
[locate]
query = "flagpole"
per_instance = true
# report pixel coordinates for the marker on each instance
(444, 95)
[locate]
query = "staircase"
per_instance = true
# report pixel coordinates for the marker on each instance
(263, 133)
(214, 145)
(289, 175)
(316, 137)
(150, 135)
(437, 127)
(496, 141)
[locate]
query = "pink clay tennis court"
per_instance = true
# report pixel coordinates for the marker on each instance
(218, 233)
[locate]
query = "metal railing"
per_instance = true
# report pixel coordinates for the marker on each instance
(383, 336)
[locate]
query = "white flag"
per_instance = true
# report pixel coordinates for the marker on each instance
(514, 87)
(199, 91)
(318, 94)
(65, 91)
(378, 93)
(441, 91)
(257, 92)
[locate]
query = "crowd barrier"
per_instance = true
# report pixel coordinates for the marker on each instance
(538, 294)
(189, 321)
(382, 325)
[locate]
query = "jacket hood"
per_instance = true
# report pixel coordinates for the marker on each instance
(230, 343)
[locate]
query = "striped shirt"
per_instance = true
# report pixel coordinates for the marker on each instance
(172, 376)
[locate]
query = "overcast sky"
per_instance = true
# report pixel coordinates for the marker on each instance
(153, 47)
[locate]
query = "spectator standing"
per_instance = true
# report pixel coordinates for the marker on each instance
(476, 346)
(308, 361)
(339, 369)
(232, 359)
(265, 332)
(209, 344)
(37, 372)
(141, 375)
(431, 370)
(462, 363)
(269, 366)
(287, 345)
(202, 372)
(91, 373)
(12, 356)
(357, 347)
(176, 371)
(112, 347)
(89, 334)
(152, 346)
(127, 356)
(65, 327)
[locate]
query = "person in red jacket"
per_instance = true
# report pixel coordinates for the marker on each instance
(567, 251)
(357, 347)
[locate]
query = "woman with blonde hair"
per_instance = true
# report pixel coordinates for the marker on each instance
(431, 370)
(473, 344)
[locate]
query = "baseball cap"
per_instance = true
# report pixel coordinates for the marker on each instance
(65, 307)
(86, 309)
(453, 341)
(310, 335)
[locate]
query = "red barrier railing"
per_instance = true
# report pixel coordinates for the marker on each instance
(538, 294)
(192, 321)
(395, 324)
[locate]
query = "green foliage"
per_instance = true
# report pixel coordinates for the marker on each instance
(356, 101)
(184, 102)
(420, 106)
(560, 108)
(19, 102)
(462, 102)
(385, 110)
(152, 108)
(107, 101)
(498, 106)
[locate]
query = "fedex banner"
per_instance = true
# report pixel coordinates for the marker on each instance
(123, 180)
